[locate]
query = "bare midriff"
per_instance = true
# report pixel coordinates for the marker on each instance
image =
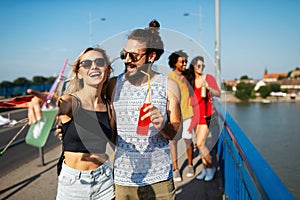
(84, 161)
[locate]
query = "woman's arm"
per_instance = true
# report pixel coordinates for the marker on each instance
(213, 86)
(34, 106)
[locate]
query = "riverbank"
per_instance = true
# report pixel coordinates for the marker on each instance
(230, 98)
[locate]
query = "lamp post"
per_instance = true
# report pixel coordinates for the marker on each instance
(91, 20)
(217, 39)
(199, 14)
(217, 45)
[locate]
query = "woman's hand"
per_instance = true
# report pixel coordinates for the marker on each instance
(58, 132)
(34, 106)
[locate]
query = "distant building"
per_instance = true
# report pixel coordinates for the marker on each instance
(290, 84)
(259, 84)
(295, 74)
(232, 84)
(273, 77)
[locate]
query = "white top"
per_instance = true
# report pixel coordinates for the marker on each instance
(140, 160)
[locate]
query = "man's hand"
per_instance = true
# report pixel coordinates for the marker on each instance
(155, 115)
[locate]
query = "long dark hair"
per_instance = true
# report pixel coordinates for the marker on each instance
(190, 75)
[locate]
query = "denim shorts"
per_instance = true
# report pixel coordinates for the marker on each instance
(89, 184)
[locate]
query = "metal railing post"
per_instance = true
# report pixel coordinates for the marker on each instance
(41, 152)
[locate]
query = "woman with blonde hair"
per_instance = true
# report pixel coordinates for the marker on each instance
(87, 127)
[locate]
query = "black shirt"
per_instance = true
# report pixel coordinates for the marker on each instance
(87, 132)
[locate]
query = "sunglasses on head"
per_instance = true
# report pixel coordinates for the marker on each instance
(135, 57)
(99, 62)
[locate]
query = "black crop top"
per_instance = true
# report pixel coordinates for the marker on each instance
(87, 132)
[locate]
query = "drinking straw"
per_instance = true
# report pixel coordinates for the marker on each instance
(56, 82)
(148, 75)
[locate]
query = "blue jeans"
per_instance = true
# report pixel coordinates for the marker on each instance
(90, 184)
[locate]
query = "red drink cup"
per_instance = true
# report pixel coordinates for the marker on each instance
(143, 125)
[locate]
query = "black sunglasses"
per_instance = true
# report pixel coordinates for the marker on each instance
(99, 62)
(184, 62)
(135, 57)
(199, 66)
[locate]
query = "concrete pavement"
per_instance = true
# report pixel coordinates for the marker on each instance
(33, 181)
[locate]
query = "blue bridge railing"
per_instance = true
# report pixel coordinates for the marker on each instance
(246, 174)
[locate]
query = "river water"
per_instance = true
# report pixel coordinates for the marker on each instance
(274, 130)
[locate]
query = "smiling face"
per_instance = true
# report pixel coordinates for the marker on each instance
(93, 68)
(180, 65)
(135, 57)
(199, 67)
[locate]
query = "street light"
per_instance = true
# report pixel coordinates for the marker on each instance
(199, 14)
(91, 20)
(217, 42)
(217, 45)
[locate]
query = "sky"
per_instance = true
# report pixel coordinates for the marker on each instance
(255, 35)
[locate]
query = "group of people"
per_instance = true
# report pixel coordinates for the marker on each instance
(196, 111)
(96, 110)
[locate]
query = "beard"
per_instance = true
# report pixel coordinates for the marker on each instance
(133, 73)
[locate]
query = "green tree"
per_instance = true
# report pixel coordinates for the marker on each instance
(39, 80)
(50, 80)
(245, 91)
(281, 78)
(22, 81)
(244, 77)
(227, 87)
(8, 84)
(264, 91)
(275, 87)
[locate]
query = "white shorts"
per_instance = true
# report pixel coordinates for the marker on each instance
(185, 133)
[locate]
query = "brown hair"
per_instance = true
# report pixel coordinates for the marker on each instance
(152, 39)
